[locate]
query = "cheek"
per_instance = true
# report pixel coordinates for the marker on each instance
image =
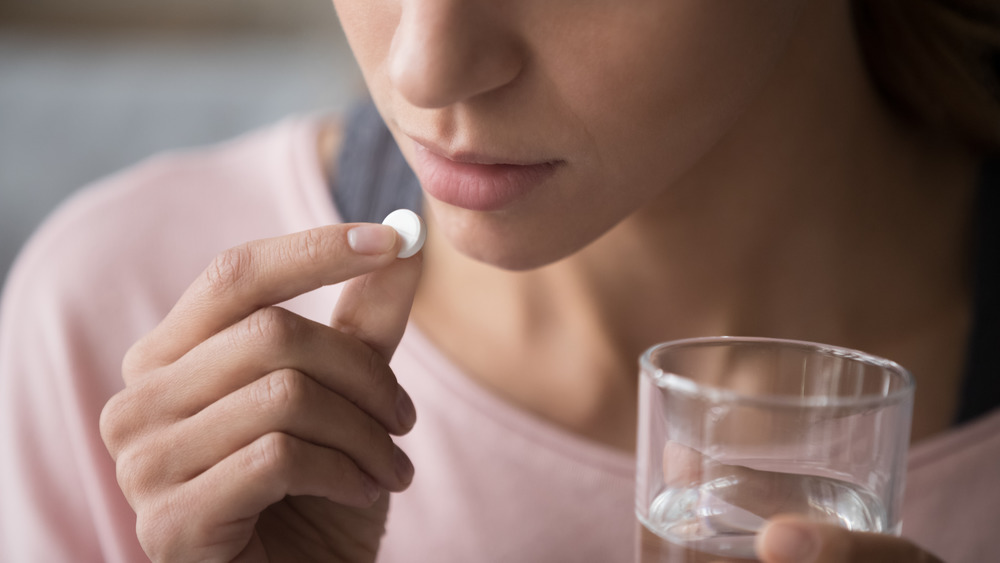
(635, 91)
(659, 85)
(369, 28)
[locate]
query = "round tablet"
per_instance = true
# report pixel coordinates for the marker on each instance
(411, 229)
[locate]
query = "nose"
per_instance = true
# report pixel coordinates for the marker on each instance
(448, 51)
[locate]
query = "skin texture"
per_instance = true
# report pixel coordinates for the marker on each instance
(787, 539)
(248, 433)
(733, 185)
(721, 167)
(501, 87)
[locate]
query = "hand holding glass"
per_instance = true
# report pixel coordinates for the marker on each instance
(734, 431)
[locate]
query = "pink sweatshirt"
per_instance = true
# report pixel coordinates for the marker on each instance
(493, 482)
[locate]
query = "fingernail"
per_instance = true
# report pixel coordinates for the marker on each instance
(786, 541)
(404, 469)
(405, 411)
(371, 239)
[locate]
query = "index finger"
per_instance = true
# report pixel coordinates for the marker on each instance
(262, 273)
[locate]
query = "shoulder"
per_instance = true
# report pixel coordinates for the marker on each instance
(184, 206)
(121, 251)
(103, 270)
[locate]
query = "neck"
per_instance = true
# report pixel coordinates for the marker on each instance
(820, 217)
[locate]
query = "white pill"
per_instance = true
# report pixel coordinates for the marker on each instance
(411, 229)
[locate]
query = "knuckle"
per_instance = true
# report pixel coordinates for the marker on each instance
(230, 268)
(269, 454)
(132, 362)
(127, 475)
(111, 424)
(123, 418)
(128, 416)
(309, 244)
(136, 360)
(147, 531)
(158, 530)
(280, 391)
(134, 474)
(378, 379)
(270, 325)
(342, 466)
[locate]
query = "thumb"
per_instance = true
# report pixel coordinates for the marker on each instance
(374, 307)
(788, 539)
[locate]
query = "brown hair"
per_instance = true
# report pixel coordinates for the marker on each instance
(936, 61)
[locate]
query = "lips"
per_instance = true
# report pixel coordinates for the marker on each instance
(478, 182)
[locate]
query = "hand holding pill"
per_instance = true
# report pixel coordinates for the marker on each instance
(235, 407)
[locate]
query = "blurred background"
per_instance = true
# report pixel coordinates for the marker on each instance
(87, 88)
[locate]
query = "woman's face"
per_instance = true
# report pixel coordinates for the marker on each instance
(537, 125)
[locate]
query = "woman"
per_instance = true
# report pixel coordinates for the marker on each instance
(596, 177)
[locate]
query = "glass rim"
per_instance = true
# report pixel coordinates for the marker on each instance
(718, 394)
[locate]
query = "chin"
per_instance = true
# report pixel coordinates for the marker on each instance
(510, 259)
(510, 248)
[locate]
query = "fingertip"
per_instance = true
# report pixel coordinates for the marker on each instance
(403, 467)
(372, 239)
(787, 541)
(406, 413)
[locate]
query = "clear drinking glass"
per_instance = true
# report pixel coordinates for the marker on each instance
(733, 431)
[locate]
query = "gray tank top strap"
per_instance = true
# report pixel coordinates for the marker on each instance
(372, 178)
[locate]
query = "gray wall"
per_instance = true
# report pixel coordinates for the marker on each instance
(79, 102)
(264, 15)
